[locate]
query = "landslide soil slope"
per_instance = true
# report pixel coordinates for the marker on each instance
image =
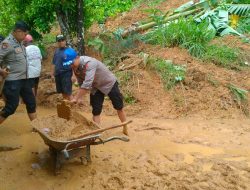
(203, 93)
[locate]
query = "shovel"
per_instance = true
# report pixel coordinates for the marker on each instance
(64, 111)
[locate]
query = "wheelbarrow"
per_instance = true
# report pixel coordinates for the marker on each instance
(76, 147)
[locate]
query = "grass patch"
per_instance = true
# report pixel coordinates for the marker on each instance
(183, 32)
(129, 98)
(223, 56)
(244, 25)
(239, 94)
(195, 38)
(241, 98)
(170, 74)
(150, 3)
(48, 39)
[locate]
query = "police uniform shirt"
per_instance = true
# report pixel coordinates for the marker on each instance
(13, 54)
(94, 75)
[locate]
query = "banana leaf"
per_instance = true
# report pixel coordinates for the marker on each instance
(191, 5)
(239, 9)
(218, 20)
(218, 17)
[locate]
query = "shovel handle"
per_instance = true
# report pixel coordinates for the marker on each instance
(104, 129)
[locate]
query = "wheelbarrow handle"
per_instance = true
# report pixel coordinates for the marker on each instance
(101, 141)
(104, 129)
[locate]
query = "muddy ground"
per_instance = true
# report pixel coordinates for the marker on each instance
(187, 153)
(194, 137)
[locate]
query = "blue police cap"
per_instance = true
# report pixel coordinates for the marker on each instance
(69, 56)
(21, 25)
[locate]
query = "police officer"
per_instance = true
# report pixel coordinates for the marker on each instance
(17, 84)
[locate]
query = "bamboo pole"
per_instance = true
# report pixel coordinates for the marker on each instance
(152, 24)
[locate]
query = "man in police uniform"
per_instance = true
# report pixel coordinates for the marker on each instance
(17, 84)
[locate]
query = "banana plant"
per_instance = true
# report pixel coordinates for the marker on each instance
(215, 11)
(219, 17)
(193, 5)
(218, 21)
(239, 9)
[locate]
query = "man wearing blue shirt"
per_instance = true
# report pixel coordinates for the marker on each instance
(61, 73)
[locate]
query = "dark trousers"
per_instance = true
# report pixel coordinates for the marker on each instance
(12, 91)
(97, 99)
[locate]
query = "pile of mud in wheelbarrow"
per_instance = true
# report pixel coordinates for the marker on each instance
(69, 134)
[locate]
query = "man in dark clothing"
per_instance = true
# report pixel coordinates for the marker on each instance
(62, 74)
(13, 55)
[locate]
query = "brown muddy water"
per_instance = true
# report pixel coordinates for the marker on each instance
(188, 153)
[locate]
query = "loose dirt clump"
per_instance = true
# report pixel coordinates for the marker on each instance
(62, 129)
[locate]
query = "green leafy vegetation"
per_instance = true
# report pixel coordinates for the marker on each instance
(223, 56)
(185, 33)
(49, 39)
(42, 49)
(150, 3)
(112, 46)
(100, 10)
(238, 1)
(129, 98)
(42, 14)
(195, 38)
(239, 94)
(244, 25)
(125, 79)
(170, 74)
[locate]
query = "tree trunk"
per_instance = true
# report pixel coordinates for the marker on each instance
(64, 26)
(80, 28)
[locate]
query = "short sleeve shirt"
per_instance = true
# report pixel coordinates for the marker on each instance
(34, 58)
(13, 54)
(94, 75)
(58, 62)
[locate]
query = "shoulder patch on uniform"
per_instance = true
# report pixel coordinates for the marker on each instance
(18, 50)
(5, 45)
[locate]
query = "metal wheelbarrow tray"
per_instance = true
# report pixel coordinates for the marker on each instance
(79, 147)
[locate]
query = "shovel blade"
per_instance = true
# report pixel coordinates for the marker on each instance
(63, 110)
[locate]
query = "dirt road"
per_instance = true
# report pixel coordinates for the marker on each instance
(188, 153)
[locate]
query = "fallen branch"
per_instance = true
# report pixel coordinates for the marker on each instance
(129, 66)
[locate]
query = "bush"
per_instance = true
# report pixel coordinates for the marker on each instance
(244, 25)
(183, 32)
(112, 46)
